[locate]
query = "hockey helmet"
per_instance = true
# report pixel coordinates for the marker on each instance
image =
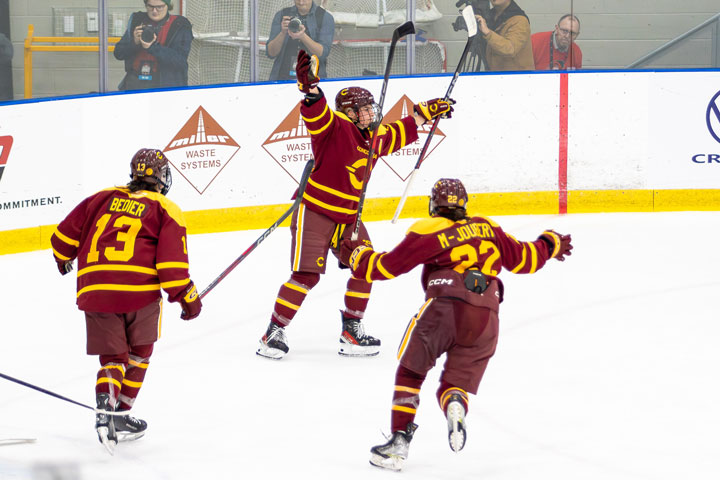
(448, 193)
(353, 97)
(151, 166)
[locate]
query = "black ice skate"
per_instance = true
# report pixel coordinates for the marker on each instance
(456, 422)
(104, 425)
(354, 342)
(274, 343)
(128, 427)
(392, 454)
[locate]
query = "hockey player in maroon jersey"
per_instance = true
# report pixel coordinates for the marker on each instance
(462, 257)
(340, 142)
(130, 242)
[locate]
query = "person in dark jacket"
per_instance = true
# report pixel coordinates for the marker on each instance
(155, 48)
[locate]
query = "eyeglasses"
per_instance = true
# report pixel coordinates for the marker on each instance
(157, 8)
(567, 32)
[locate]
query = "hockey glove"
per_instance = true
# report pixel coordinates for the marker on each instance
(352, 250)
(558, 244)
(437, 107)
(64, 266)
(190, 301)
(307, 71)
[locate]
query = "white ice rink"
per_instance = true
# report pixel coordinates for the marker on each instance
(607, 368)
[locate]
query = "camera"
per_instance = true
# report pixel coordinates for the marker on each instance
(295, 24)
(480, 7)
(148, 33)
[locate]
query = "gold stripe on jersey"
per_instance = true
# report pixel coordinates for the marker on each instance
(370, 267)
(116, 268)
(382, 269)
(60, 255)
(327, 206)
(402, 388)
(315, 119)
(403, 136)
(299, 237)
(287, 304)
(522, 261)
(410, 328)
(332, 191)
(430, 225)
(324, 127)
(115, 366)
(400, 408)
(175, 283)
(118, 288)
(163, 265)
(170, 207)
(66, 239)
(533, 257)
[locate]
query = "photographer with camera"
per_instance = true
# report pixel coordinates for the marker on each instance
(505, 31)
(305, 26)
(155, 48)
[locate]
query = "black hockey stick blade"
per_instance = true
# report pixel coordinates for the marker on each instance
(298, 199)
(407, 28)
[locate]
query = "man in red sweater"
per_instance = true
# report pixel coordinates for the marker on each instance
(340, 142)
(557, 50)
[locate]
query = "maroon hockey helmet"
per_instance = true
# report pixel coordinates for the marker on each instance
(448, 193)
(151, 166)
(354, 97)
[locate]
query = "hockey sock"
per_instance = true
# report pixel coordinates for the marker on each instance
(110, 376)
(291, 295)
(446, 390)
(406, 398)
(135, 374)
(357, 296)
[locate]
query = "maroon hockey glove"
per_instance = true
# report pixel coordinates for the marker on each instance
(437, 107)
(190, 301)
(307, 71)
(64, 266)
(352, 250)
(558, 244)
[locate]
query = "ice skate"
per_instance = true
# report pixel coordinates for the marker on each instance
(394, 452)
(456, 423)
(354, 342)
(104, 425)
(129, 428)
(274, 343)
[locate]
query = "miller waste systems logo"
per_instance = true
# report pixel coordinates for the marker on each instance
(289, 144)
(5, 144)
(201, 150)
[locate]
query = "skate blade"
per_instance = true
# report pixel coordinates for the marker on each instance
(390, 463)
(269, 352)
(352, 350)
(107, 443)
(456, 426)
(129, 437)
(457, 441)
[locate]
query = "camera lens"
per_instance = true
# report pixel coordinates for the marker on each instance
(294, 25)
(147, 34)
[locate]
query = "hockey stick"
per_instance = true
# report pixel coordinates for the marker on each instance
(406, 28)
(47, 392)
(295, 205)
(471, 24)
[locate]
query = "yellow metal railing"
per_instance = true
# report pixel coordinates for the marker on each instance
(30, 47)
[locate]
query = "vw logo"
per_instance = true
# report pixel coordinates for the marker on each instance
(712, 117)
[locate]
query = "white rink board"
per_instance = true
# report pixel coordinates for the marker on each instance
(632, 130)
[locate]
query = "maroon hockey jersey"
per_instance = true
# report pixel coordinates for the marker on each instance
(128, 246)
(341, 150)
(441, 245)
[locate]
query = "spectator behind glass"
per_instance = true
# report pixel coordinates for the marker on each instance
(155, 48)
(314, 34)
(507, 35)
(557, 50)
(6, 55)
